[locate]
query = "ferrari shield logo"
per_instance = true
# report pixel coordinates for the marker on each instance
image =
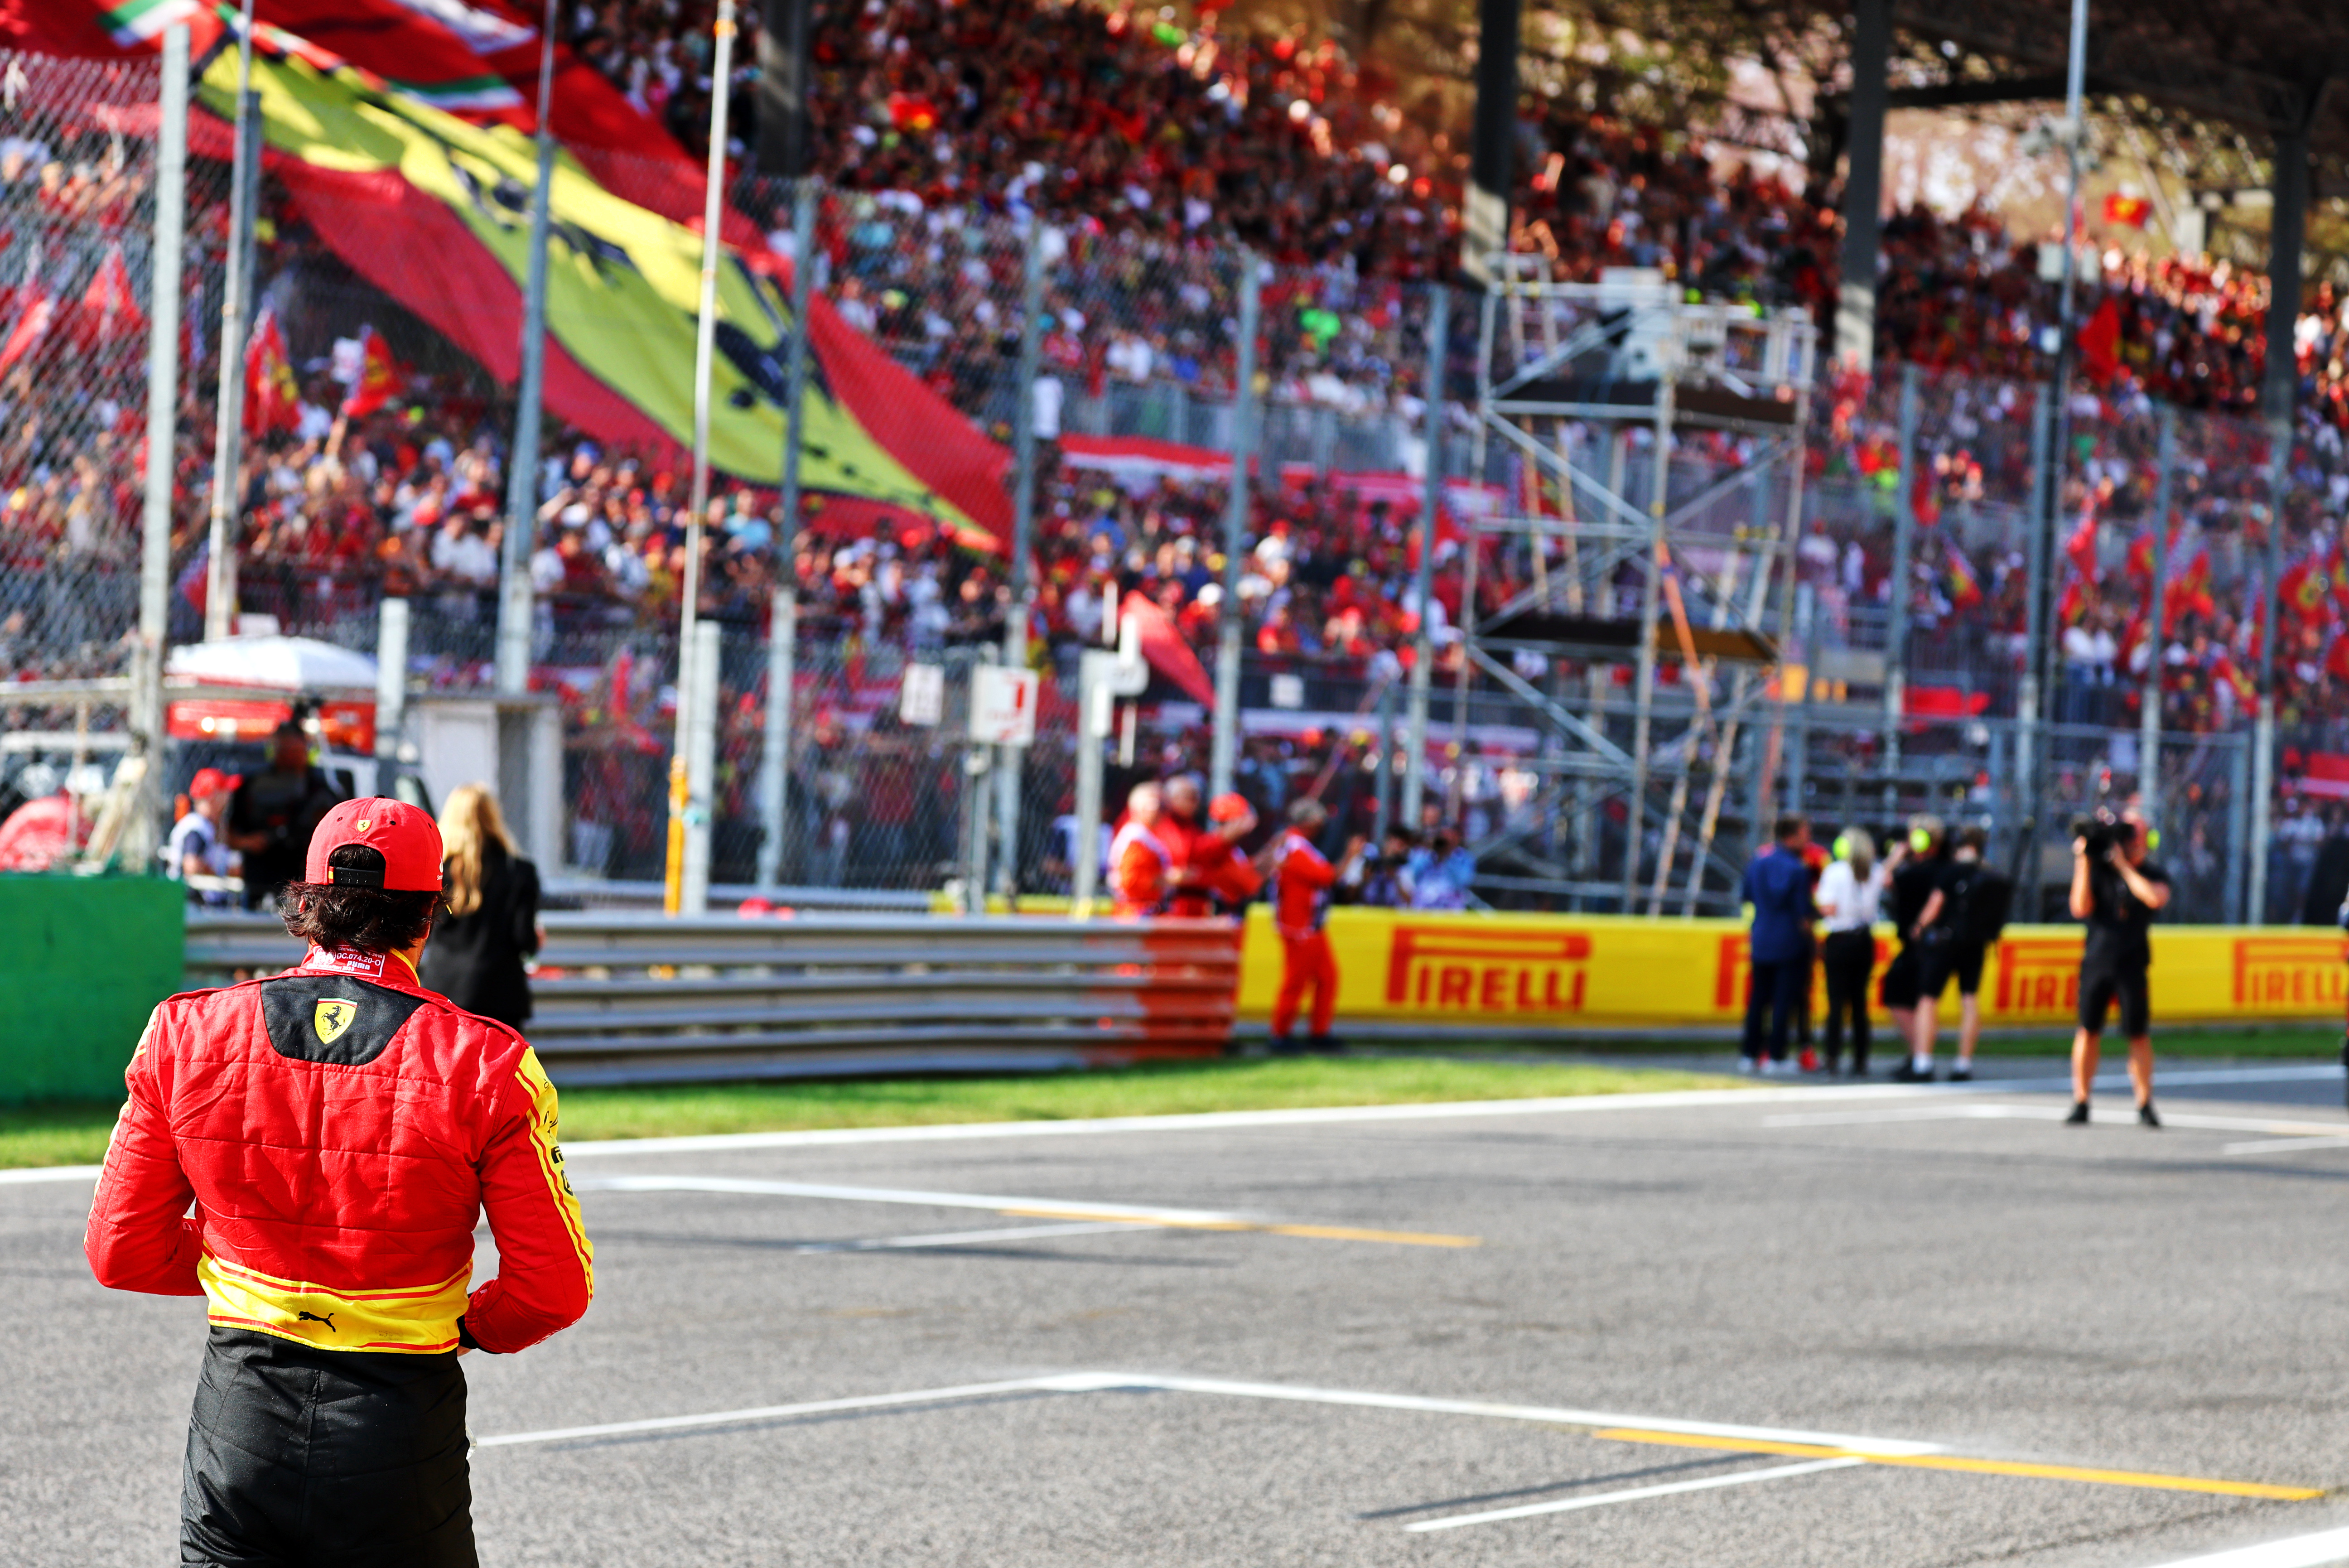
(331, 1017)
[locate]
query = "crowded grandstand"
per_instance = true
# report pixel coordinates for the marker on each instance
(1156, 146)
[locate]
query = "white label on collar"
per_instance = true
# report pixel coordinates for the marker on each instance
(346, 960)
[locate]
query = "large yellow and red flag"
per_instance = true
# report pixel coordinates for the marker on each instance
(431, 210)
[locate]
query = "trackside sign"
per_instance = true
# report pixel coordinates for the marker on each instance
(1458, 968)
(1574, 971)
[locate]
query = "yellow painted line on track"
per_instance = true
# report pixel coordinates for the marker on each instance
(1964, 1464)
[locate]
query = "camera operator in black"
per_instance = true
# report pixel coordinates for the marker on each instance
(1916, 873)
(2117, 888)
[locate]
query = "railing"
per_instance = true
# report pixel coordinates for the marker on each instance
(637, 999)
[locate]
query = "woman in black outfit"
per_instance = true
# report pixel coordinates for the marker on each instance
(489, 924)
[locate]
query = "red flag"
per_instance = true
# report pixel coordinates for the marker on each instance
(2082, 546)
(1964, 587)
(379, 380)
(2229, 671)
(272, 402)
(2100, 341)
(108, 304)
(2188, 593)
(2132, 210)
(32, 325)
(912, 112)
(2131, 635)
(1163, 647)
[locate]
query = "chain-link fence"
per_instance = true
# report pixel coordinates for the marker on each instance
(77, 204)
(1915, 559)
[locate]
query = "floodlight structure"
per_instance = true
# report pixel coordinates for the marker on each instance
(1681, 553)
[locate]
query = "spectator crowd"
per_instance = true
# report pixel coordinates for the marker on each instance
(943, 129)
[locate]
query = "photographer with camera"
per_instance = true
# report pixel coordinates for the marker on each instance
(273, 813)
(2117, 888)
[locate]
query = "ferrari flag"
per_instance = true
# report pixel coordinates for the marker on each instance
(434, 212)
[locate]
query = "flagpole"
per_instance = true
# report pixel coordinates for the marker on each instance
(236, 302)
(688, 831)
(515, 601)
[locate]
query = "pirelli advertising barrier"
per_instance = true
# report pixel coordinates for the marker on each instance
(1599, 972)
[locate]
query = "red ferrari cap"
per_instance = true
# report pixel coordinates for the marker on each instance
(210, 781)
(1229, 807)
(407, 839)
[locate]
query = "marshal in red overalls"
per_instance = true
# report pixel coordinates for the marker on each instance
(1301, 877)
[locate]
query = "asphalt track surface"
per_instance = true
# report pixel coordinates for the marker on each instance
(1870, 1327)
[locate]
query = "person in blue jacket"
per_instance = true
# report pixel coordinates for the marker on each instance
(1777, 891)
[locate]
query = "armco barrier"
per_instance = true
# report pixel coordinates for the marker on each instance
(83, 960)
(1537, 973)
(636, 998)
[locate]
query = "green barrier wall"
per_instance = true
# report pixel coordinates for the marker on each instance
(83, 961)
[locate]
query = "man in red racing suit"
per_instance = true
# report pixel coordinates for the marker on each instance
(339, 1129)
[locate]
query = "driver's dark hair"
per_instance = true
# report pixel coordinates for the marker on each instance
(342, 916)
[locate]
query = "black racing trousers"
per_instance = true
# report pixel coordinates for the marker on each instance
(320, 1459)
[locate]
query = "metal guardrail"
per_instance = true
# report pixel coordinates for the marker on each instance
(624, 997)
(596, 893)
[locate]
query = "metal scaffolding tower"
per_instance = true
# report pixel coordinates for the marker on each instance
(1654, 510)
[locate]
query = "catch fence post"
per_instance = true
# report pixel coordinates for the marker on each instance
(1904, 536)
(2148, 771)
(1224, 757)
(1423, 654)
(516, 601)
(784, 622)
(1019, 590)
(147, 713)
(236, 307)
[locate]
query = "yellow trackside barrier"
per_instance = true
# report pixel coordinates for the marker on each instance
(1605, 972)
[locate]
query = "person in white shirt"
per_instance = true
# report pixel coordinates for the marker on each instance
(197, 847)
(1849, 892)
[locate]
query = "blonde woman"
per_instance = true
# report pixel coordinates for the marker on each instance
(489, 919)
(1850, 894)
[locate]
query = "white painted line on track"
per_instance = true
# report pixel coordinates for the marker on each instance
(2289, 1144)
(1328, 1116)
(1856, 1448)
(1944, 1113)
(992, 1203)
(1635, 1494)
(2296, 1551)
(1218, 1121)
(2222, 1075)
(975, 1238)
(25, 1177)
(1552, 1416)
(785, 1412)
(2297, 1132)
